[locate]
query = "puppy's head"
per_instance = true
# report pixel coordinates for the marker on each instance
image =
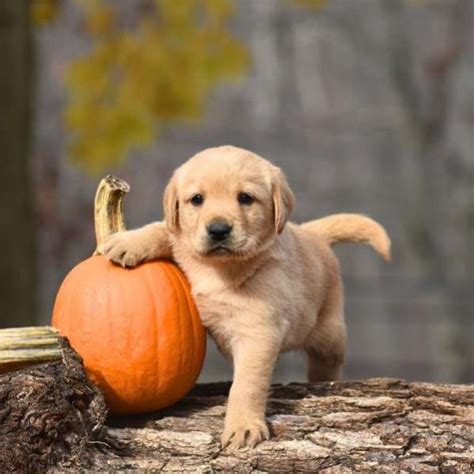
(227, 202)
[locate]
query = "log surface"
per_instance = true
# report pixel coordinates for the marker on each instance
(52, 418)
(49, 415)
(380, 425)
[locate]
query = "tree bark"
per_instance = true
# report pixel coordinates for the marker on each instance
(378, 425)
(17, 237)
(52, 418)
(49, 413)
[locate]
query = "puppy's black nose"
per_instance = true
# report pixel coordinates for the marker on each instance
(219, 230)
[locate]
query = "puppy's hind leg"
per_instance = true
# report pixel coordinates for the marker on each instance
(326, 344)
(326, 357)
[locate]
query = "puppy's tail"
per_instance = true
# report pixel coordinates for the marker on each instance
(351, 228)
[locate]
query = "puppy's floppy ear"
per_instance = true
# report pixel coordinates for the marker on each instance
(283, 199)
(171, 205)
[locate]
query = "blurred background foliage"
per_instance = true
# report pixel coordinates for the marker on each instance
(368, 106)
(142, 72)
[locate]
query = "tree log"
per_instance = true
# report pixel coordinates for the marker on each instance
(51, 416)
(49, 413)
(381, 425)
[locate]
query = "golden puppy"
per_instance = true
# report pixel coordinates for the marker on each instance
(262, 286)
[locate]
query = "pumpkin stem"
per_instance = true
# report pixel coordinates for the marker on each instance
(108, 208)
(21, 347)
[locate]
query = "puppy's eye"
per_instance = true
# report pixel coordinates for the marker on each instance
(245, 198)
(197, 200)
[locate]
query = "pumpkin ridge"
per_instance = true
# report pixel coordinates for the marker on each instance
(102, 367)
(184, 286)
(199, 332)
(171, 280)
(156, 356)
(126, 324)
(183, 291)
(151, 296)
(186, 306)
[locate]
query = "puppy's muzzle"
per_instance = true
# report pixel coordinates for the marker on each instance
(219, 230)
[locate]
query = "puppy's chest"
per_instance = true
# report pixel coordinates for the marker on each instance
(220, 302)
(220, 317)
(216, 309)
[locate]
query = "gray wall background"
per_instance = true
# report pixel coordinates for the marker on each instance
(368, 106)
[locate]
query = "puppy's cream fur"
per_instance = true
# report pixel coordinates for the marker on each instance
(275, 286)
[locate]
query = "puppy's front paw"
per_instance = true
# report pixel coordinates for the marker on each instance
(244, 433)
(124, 248)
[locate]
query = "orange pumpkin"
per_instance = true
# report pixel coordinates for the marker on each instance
(137, 330)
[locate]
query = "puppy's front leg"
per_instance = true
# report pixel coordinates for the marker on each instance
(254, 360)
(132, 247)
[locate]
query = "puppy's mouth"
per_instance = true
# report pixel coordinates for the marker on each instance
(231, 248)
(220, 250)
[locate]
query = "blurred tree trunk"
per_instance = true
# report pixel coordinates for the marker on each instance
(17, 236)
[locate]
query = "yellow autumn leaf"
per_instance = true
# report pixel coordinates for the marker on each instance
(101, 20)
(135, 80)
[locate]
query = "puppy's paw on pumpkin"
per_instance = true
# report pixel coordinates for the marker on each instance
(242, 434)
(123, 249)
